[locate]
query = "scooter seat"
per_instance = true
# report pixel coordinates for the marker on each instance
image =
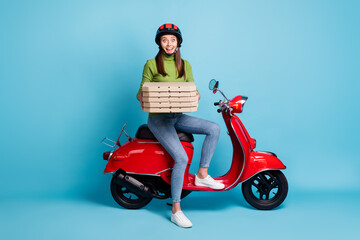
(144, 133)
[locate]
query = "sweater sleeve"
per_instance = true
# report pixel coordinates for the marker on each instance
(189, 74)
(147, 75)
(188, 71)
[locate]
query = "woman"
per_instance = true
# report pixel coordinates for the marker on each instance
(168, 66)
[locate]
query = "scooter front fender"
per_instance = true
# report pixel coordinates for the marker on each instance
(259, 162)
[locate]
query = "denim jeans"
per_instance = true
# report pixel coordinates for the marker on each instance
(164, 128)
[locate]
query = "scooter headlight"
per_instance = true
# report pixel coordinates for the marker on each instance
(237, 103)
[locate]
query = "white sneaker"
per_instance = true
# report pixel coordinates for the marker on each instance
(208, 182)
(181, 220)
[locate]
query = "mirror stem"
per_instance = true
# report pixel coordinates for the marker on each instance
(223, 94)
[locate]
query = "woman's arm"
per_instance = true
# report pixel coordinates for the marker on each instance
(189, 76)
(139, 97)
(147, 76)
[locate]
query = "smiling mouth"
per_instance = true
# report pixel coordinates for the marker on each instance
(169, 49)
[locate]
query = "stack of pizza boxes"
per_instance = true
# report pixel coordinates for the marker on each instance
(169, 97)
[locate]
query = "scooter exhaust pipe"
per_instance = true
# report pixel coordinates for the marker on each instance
(132, 184)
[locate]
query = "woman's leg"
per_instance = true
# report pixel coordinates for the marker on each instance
(196, 125)
(162, 126)
(212, 130)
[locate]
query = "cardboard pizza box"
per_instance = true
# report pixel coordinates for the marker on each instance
(169, 86)
(169, 97)
(170, 110)
(169, 94)
(169, 105)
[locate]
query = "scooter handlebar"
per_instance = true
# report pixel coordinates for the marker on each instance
(216, 103)
(223, 107)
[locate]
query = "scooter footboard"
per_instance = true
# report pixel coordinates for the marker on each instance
(260, 161)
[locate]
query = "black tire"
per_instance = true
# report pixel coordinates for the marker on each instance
(266, 190)
(126, 198)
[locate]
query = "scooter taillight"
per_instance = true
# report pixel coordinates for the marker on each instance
(106, 155)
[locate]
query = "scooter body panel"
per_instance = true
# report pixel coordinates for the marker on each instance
(259, 162)
(242, 145)
(142, 156)
(241, 152)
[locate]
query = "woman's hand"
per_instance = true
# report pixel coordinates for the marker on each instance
(139, 97)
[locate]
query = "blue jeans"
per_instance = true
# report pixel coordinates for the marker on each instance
(164, 128)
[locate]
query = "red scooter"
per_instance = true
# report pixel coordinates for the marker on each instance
(141, 167)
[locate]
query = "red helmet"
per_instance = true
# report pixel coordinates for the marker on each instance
(168, 28)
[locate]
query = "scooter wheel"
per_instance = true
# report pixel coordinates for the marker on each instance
(127, 199)
(266, 190)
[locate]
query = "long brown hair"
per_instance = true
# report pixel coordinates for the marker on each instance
(179, 62)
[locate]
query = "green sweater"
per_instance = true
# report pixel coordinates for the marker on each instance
(150, 73)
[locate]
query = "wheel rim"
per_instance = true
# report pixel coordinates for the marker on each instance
(128, 196)
(265, 186)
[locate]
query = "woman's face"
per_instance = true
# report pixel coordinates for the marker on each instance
(169, 43)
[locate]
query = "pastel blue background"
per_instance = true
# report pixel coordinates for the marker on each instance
(69, 73)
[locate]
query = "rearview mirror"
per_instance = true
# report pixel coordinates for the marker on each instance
(213, 85)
